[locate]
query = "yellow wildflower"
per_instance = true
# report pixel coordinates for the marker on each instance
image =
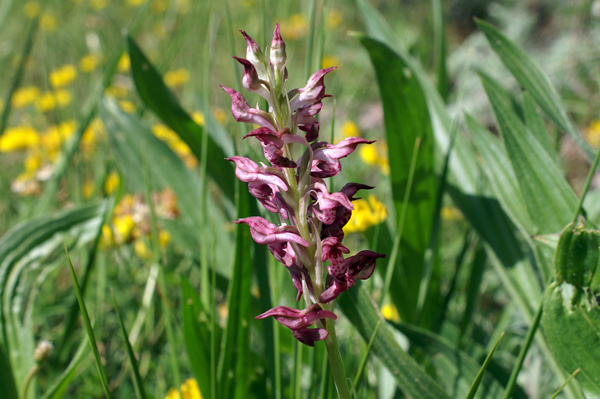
(365, 215)
(375, 154)
(47, 101)
(329, 61)
(334, 19)
(189, 390)
(177, 78)
(107, 237)
(350, 129)
(592, 133)
(450, 213)
(88, 189)
(220, 115)
(123, 228)
(295, 28)
(98, 4)
(198, 117)
(158, 6)
(48, 22)
(18, 138)
(88, 63)
(111, 183)
(127, 106)
(24, 96)
(390, 312)
(175, 143)
(116, 91)
(63, 76)
(94, 131)
(32, 9)
(33, 162)
(164, 238)
(141, 249)
(135, 3)
(124, 63)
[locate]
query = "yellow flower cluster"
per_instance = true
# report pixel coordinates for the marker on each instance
(592, 133)
(176, 144)
(131, 219)
(295, 27)
(374, 154)
(189, 390)
(366, 214)
(177, 77)
(88, 63)
(63, 76)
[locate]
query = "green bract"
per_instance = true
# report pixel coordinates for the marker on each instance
(571, 318)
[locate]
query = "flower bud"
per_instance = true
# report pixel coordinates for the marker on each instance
(278, 55)
(255, 55)
(42, 351)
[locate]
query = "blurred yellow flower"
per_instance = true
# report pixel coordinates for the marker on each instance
(450, 213)
(375, 154)
(135, 3)
(92, 134)
(123, 228)
(592, 133)
(350, 129)
(175, 143)
(48, 22)
(18, 138)
(124, 63)
(220, 115)
(329, 61)
(88, 189)
(24, 96)
(164, 238)
(158, 6)
(295, 27)
(334, 19)
(47, 101)
(32, 9)
(189, 390)
(116, 91)
(177, 77)
(63, 76)
(88, 63)
(141, 249)
(54, 137)
(198, 117)
(390, 312)
(127, 106)
(365, 215)
(111, 183)
(98, 4)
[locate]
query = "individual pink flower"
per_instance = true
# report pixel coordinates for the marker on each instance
(326, 156)
(264, 232)
(242, 112)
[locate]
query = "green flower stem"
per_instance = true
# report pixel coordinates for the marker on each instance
(336, 363)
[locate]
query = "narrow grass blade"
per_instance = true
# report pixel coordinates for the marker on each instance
(16, 81)
(155, 94)
(360, 309)
(531, 77)
(439, 35)
(89, 331)
(197, 336)
(559, 390)
(407, 119)
(481, 373)
(58, 389)
(366, 354)
(138, 382)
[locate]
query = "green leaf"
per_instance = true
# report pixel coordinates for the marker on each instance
(550, 200)
(89, 331)
(360, 309)
(531, 77)
(7, 380)
(536, 126)
(138, 382)
(197, 336)
(407, 120)
(155, 94)
(571, 317)
(479, 378)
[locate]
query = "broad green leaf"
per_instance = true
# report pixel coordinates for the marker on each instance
(456, 369)
(535, 124)
(360, 309)
(90, 332)
(531, 77)
(197, 336)
(7, 380)
(407, 119)
(571, 317)
(163, 103)
(30, 244)
(549, 199)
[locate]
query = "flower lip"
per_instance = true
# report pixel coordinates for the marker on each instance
(264, 232)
